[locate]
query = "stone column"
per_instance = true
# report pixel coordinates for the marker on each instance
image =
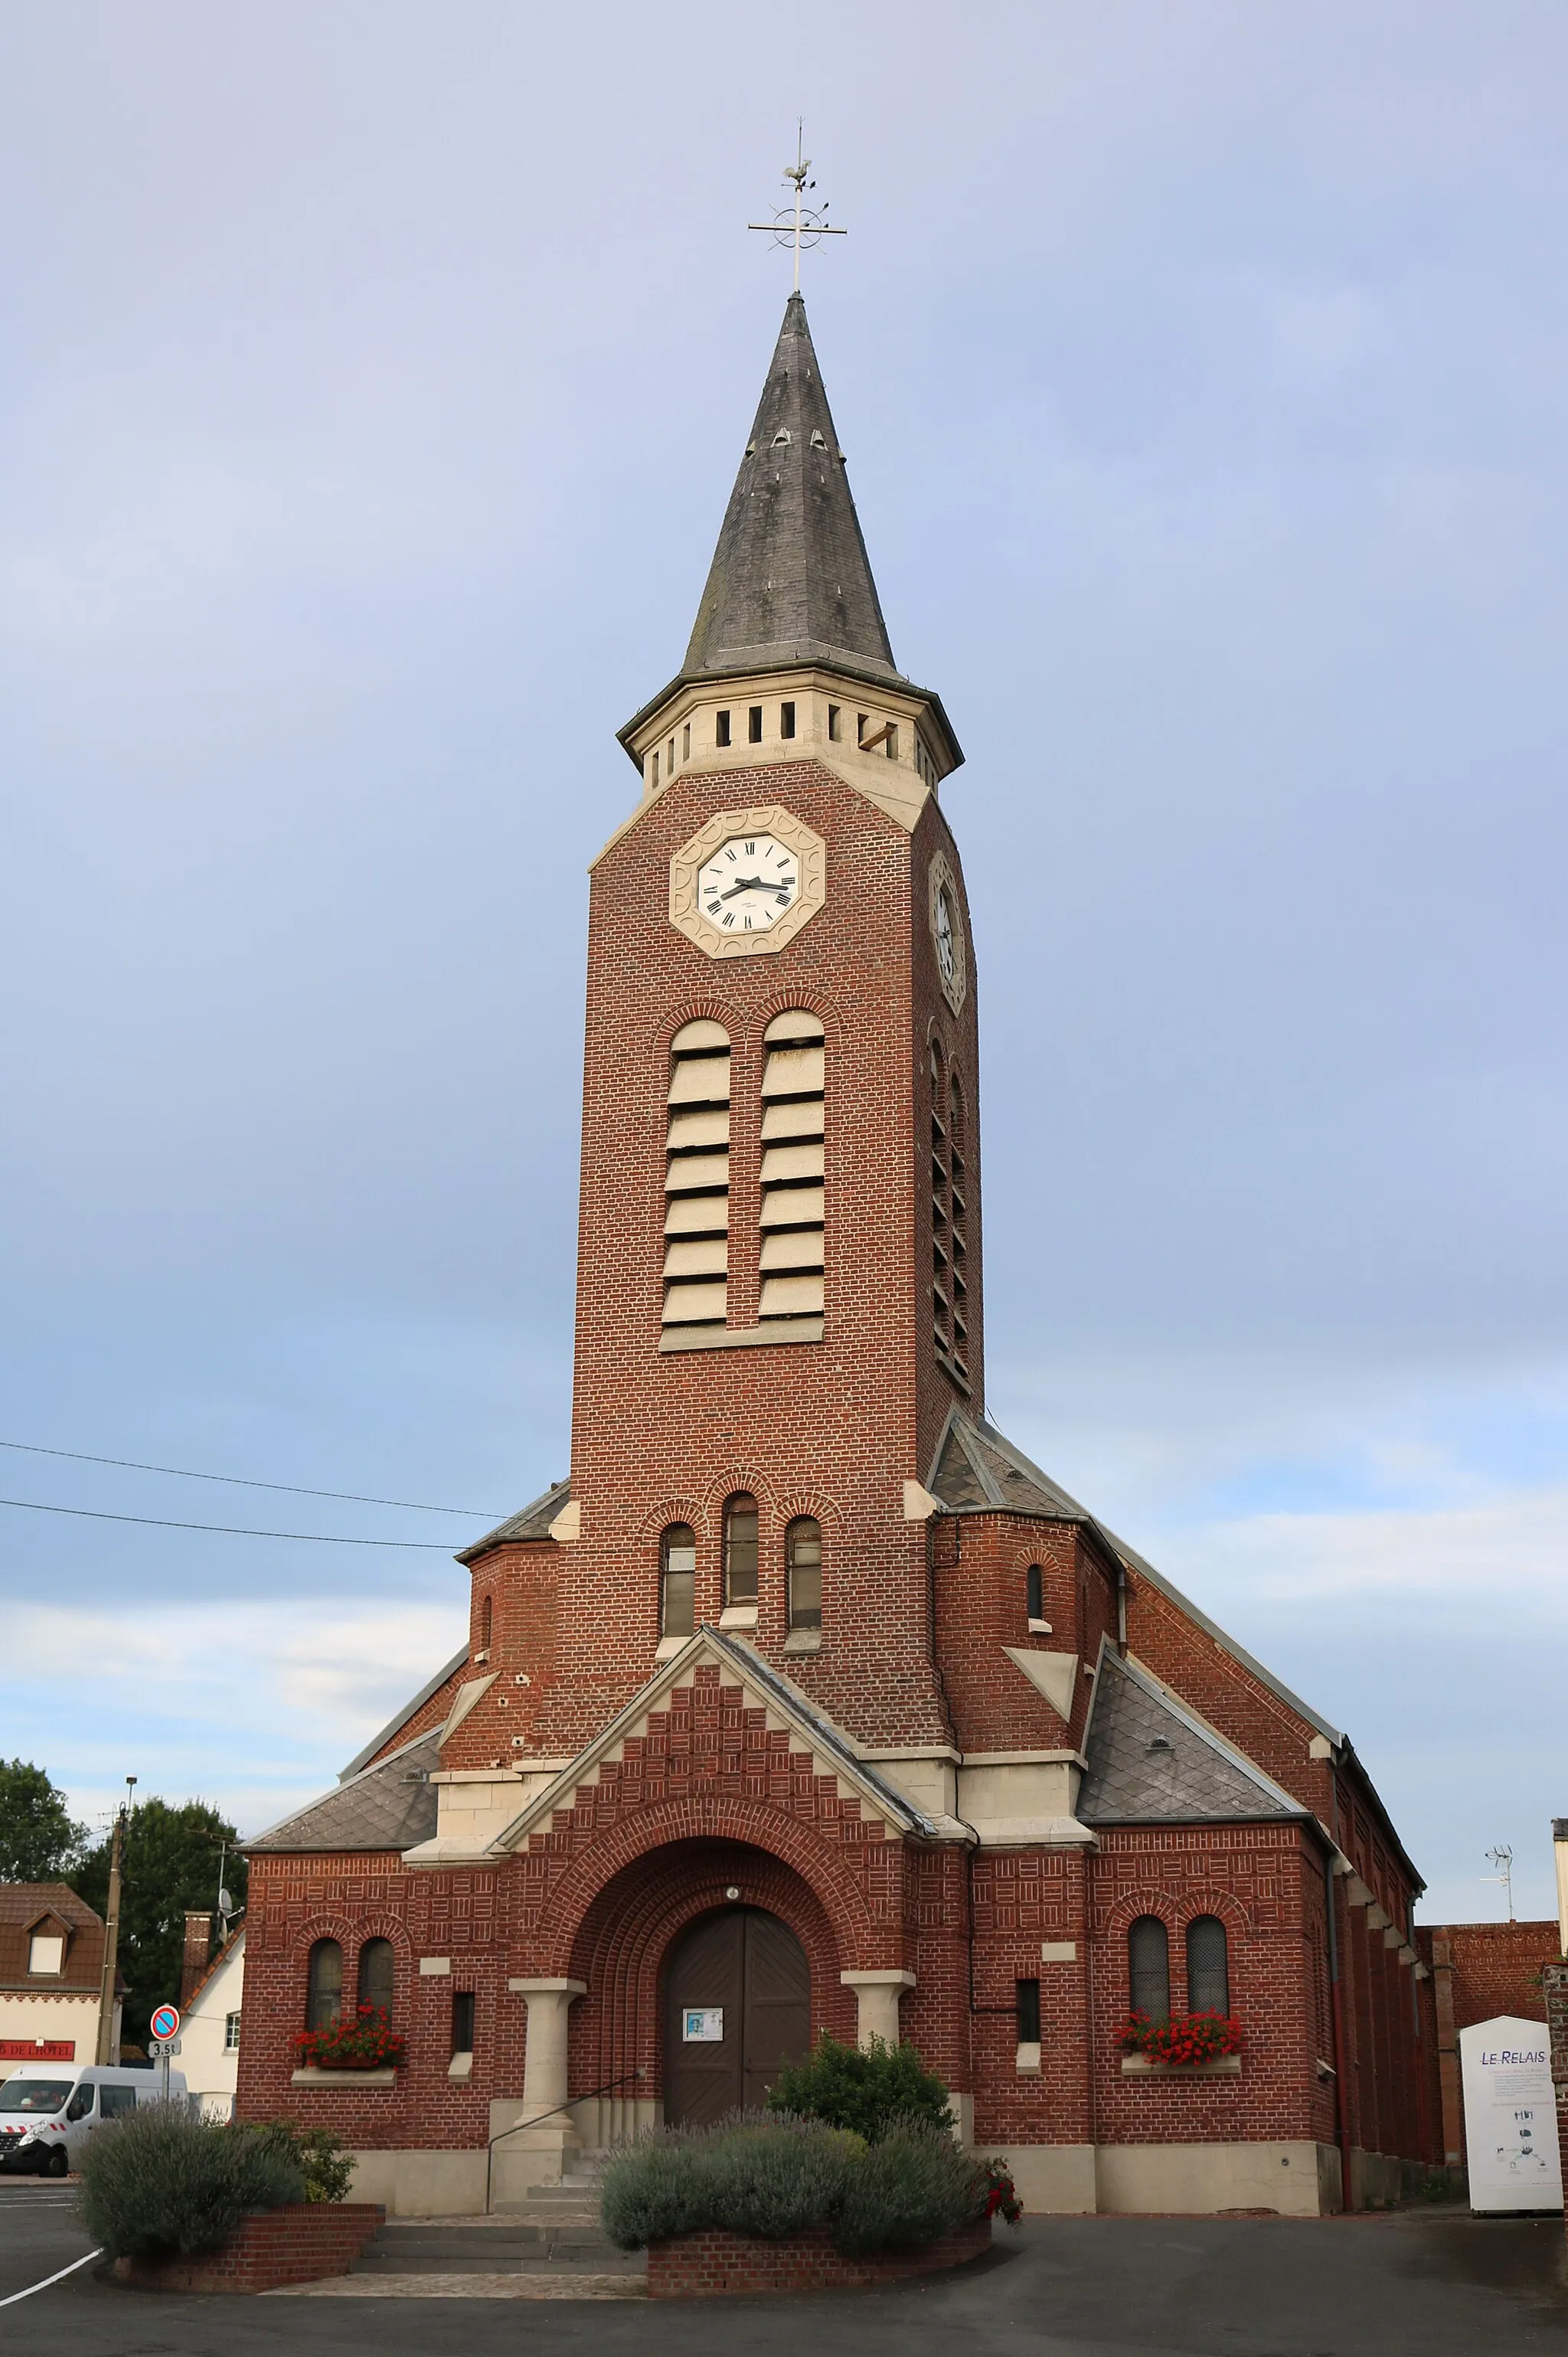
(539, 2138)
(878, 1994)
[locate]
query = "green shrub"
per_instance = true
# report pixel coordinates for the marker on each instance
(328, 2170)
(160, 2182)
(866, 2090)
(656, 2189)
(771, 2175)
(779, 2175)
(912, 2187)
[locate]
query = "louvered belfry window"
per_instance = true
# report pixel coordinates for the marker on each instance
(793, 1168)
(950, 1220)
(696, 1178)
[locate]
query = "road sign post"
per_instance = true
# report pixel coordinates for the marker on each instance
(165, 2028)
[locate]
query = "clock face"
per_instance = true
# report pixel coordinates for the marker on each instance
(945, 958)
(749, 884)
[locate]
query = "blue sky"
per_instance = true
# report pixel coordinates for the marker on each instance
(375, 382)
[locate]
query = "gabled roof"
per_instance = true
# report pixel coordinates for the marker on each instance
(530, 1523)
(1151, 1761)
(990, 1475)
(22, 1904)
(763, 1688)
(401, 1718)
(231, 1953)
(389, 1806)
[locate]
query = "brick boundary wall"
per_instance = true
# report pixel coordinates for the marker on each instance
(299, 2244)
(695, 2267)
(1554, 1979)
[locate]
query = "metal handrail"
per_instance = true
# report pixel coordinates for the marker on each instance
(626, 2079)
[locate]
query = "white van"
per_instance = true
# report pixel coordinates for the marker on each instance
(47, 2110)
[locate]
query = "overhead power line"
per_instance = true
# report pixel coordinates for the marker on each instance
(224, 1530)
(238, 1481)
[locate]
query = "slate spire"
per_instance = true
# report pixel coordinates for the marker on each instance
(790, 581)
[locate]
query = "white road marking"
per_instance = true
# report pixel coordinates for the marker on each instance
(13, 2297)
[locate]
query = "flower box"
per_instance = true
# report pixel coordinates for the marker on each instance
(364, 2044)
(1181, 2041)
(311, 2074)
(1149, 2066)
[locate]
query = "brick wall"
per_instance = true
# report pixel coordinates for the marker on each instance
(697, 2265)
(301, 2244)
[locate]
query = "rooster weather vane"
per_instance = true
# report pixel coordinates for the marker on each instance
(799, 224)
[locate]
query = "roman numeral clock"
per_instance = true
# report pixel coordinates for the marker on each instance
(747, 881)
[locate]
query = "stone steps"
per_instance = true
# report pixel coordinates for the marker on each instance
(553, 2234)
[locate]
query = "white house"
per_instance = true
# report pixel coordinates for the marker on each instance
(209, 2031)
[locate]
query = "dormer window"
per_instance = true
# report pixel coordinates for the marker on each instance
(46, 1953)
(783, 439)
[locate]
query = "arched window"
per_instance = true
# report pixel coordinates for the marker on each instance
(696, 1179)
(324, 1985)
(1207, 1966)
(803, 1563)
(1034, 1592)
(376, 1974)
(485, 1624)
(740, 1550)
(678, 1581)
(793, 1080)
(1149, 1967)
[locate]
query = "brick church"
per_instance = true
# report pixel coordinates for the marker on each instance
(809, 1702)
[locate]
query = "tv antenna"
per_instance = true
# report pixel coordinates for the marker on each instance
(1502, 1858)
(799, 224)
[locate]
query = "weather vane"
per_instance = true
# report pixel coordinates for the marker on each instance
(799, 224)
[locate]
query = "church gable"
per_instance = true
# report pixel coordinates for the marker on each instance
(717, 1719)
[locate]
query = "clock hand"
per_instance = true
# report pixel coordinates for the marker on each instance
(749, 884)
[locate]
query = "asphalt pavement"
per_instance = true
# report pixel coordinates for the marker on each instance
(1426, 2283)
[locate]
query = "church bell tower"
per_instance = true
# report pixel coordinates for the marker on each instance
(778, 1288)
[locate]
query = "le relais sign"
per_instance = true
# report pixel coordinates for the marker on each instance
(1511, 2116)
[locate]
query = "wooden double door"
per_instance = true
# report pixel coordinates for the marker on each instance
(738, 2006)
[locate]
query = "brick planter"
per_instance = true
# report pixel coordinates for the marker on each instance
(298, 2243)
(694, 2265)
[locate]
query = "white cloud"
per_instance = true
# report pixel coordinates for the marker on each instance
(1517, 1543)
(252, 1707)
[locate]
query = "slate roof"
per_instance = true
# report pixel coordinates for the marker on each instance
(529, 1523)
(791, 579)
(389, 1806)
(990, 1475)
(790, 582)
(1151, 1763)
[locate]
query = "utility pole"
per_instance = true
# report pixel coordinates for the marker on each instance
(112, 1932)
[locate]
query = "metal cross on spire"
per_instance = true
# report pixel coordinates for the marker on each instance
(799, 224)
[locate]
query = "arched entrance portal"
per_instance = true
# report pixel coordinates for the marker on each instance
(738, 2006)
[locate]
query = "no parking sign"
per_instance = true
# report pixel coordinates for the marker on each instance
(165, 2023)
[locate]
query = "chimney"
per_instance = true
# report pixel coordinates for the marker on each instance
(198, 1946)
